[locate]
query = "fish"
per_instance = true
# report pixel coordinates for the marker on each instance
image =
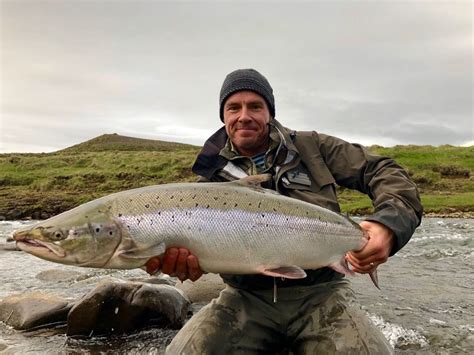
(235, 227)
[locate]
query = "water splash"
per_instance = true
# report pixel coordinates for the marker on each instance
(398, 336)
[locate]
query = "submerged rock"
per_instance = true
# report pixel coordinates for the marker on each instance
(117, 308)
(32, 310)
(207, 287)
(59, 275)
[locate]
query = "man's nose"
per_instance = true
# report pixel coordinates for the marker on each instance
(244, 114)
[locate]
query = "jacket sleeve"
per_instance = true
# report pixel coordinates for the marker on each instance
(394, 195)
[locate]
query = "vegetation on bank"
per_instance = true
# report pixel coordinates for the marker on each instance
(42, 185)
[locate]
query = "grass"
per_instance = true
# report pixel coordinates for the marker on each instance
(41, 185)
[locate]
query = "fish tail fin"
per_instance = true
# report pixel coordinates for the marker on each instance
(374, 277)
(342, 266)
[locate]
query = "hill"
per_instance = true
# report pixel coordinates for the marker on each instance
(116, 142)
(41, 185)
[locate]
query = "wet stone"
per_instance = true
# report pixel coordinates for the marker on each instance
(119, 307)
(33, 310)
(58, 275)
(206, 288)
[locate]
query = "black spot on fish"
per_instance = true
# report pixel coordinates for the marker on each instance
(172, 197)
(194, 196)
(147, 205)
(266, 225)
(215, 198)
(250, 204)
(111, 233)
(274, 209)
(97, 230)
(259, 204)
(263, 215)
(235, 204)
(197, 204)
(208, 206)
(180, 200)
(159, 213)
(120, 215)
(225, 203)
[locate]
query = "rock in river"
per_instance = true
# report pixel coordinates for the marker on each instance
(32, 310)
(121, 307)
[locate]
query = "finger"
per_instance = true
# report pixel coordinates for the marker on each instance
(362, 266)
(194, 270)
(152, 266)
(368, 251)
(182, 265)
(169, 261)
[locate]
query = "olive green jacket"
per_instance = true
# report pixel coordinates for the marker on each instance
(307, 166)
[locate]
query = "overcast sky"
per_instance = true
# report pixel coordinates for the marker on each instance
(373, 72)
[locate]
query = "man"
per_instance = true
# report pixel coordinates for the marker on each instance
(312, 315)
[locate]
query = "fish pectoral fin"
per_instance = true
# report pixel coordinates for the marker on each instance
(287, 272)
(143, 253)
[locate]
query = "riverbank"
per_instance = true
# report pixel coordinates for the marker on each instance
(38, 186)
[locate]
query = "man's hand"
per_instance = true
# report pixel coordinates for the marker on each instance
(177, 262)
(375, 252)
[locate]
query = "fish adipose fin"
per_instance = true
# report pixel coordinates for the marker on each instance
(143, 253)
(288, 272)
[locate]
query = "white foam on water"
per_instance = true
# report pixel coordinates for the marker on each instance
(397, 335)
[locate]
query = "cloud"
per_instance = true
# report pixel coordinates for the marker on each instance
(393, 72)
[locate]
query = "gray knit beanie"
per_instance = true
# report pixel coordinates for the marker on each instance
(246, 79)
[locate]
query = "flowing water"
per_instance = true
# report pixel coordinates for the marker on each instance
(425, 306)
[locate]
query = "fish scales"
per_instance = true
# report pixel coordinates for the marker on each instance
(205, 220)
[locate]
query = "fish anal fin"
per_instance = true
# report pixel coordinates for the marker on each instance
(287, 272)
(143, 253)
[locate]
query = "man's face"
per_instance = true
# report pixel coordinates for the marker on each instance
(246, 116)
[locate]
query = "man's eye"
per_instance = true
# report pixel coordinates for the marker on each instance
(232, 108)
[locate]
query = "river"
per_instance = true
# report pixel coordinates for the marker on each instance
(425, 305)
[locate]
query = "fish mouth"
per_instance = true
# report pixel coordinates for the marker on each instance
(38, 247)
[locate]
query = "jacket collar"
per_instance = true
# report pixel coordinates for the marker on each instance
(209, 161)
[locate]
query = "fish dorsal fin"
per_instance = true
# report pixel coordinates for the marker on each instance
(287, 272)
(253, 180)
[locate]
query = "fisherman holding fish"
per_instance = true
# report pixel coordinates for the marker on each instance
(315, 314)
(266, 220)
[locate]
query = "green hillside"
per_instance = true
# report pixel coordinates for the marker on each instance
(41, 185)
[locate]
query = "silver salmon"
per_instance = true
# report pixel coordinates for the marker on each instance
(232, 227)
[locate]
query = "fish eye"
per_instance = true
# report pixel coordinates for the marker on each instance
(57, 235)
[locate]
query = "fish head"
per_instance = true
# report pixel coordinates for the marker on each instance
(88, 237)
